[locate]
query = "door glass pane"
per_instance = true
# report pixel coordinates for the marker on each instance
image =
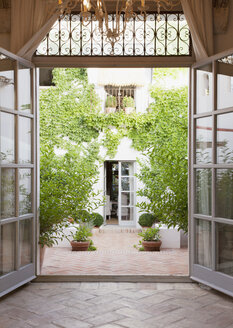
(25, 240)
(203, 191)
(203, 243)
(7, 92)
(25, 188)
(24, 140)
(114, 183)
(224, 248)
(7, 141)
(7, 253)
(204, 93)
(7, 193)
(127, 198)
(225, 89)
(204, 140)
(224, 193)
(225, 138)
(127, 213)
(24, 94)
(127, 184)
(127, 169)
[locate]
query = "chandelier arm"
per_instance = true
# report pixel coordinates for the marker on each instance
(117, 17)
(105, 15)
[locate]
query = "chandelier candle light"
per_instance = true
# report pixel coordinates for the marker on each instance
(97, 10)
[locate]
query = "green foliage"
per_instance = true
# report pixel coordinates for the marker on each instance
(110, 101)
(128, 102)
(97, 219)
(69, 152)
(164, 170)
(82, 216)
(150, 234)
(82, 233)
(146, 220)
(91, 247)
(72, 131)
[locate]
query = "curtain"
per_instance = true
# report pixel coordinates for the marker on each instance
(31, 20)
(200, 20)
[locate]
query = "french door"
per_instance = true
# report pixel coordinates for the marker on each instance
(126, 193)
(17, 172)
(212, 173)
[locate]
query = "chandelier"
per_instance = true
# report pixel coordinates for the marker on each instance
(97, 10)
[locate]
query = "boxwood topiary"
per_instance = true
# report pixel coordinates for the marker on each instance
(146, 220)
(97, 219)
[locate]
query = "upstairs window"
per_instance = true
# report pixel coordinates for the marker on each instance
(120, 98)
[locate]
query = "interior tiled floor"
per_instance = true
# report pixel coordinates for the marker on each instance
(115, 255)
(115, 305)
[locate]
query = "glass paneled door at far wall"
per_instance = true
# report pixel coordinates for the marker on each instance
(17, 172)
(119, 181)
(212, 174)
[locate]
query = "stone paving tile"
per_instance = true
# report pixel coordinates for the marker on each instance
(123, 305)
(111, 325)
(105, 318)
(71, 323)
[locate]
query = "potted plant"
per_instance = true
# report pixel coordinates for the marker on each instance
(146, 220)
(81, 240)
(110, 104)
(97, 219)
(128, 104)
(151, 239)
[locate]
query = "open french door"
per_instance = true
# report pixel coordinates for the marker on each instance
(126, 193)
(211, 211)
(17, 172)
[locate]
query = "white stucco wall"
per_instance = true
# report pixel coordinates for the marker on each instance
(125, 151)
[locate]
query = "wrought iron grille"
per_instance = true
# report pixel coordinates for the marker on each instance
(144, 36)
(227, 60)
(116, 96)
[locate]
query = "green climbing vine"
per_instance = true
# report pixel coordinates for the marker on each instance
(73, 129)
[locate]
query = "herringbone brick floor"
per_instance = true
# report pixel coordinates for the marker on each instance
(115, 305)
(115, 255)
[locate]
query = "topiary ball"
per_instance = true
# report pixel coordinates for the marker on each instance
(147, 220)
(97, 219)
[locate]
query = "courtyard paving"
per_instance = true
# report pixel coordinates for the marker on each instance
(115, 255)
(115, 305)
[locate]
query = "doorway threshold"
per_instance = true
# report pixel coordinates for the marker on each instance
(114, 278)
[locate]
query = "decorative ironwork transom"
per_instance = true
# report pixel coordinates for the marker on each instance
(144, 36)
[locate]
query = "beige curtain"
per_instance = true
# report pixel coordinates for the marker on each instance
(31, 20)
(199, 16)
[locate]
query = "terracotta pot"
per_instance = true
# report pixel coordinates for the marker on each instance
(42, 254)
(151, 246)
(80, 246)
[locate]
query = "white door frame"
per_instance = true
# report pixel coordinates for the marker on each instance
(120, 221)
(21, 274)
(198, 272)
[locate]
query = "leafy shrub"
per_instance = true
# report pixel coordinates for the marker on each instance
(91, 247)
(146, 220)
(97, 219)
(110, 101)
(82, 233)
(83, 216)
(150, 234)
(128, 102)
